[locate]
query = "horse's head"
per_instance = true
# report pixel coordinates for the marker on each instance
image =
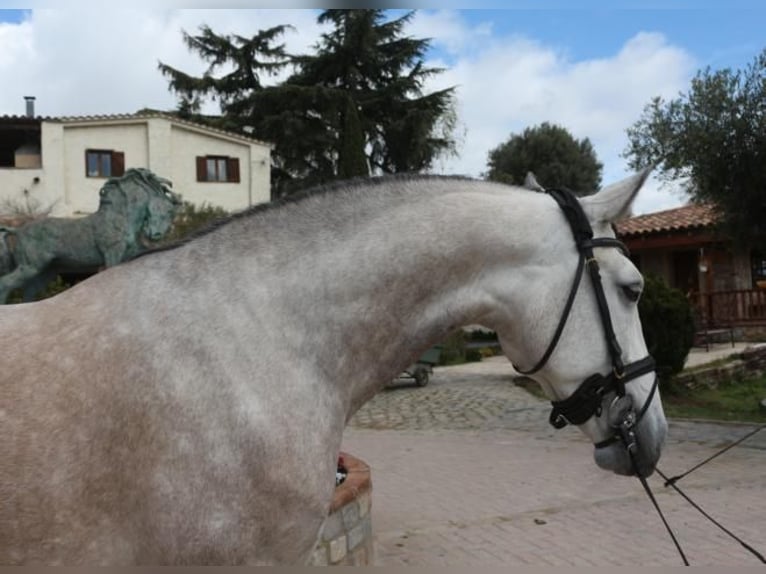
(161, 203)
(145, 200)
(584, 284)
(160, 212)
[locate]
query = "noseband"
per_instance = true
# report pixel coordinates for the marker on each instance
(587, 400)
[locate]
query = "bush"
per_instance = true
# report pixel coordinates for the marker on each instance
(487, 352)
(453, 349)
(668, 325)
(473, 355)
(482, 335)
(192, 218)
(53, 288)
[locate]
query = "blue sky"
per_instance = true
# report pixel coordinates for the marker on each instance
(590, 69)
(717, 36)
(12, 16)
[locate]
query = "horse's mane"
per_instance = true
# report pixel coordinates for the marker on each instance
(134, 178)
(300, 196)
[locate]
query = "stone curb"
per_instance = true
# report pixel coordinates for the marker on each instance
(346, 537)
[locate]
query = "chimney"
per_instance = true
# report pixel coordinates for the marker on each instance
(30, 106)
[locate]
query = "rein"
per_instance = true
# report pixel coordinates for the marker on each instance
(587, 400)
(672, 483)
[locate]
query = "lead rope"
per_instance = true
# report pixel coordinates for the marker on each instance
(673, 480)
(744, 544)
(662, 516)
(629, 440)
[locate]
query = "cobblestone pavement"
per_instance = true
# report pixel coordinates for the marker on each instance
(468, 471)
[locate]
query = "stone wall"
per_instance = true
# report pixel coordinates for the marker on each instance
(748, 364)
(346, 538)
(750, 333)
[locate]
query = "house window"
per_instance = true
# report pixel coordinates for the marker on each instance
(218, 168)
(104, 163)
(758, 266)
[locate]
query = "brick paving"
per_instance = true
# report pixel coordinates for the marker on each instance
(467, 471)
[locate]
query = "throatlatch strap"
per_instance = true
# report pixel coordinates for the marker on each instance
(562, 321)
(583, 235)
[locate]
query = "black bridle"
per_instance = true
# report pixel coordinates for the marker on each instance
(587, 400)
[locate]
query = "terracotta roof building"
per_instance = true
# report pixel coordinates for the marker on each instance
(59, 164)
(684, 247)
(688, 217)
(691, 225)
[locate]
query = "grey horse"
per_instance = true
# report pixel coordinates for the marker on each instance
(188, 406)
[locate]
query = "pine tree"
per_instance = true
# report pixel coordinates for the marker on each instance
(370, 60)
(352, 162)
(250, 59)
(354, 106)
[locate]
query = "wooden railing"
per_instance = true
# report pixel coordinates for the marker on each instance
(726, 308)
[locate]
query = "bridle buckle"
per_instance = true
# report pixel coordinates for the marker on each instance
(560, 421)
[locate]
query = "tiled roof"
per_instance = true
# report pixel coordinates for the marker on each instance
(692, 216)
(122, 117)
(153, 114)
(23, 119)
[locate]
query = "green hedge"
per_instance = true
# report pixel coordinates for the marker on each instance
(454, 349)
(192, 218)
(668, 325)
(53, 288)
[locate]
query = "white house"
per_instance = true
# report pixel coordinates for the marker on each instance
(61, 163)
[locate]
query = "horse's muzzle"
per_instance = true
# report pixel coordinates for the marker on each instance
(650, 438)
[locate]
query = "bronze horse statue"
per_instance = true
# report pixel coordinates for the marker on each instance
(136, 207)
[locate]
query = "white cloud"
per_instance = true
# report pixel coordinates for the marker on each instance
(512, 83)
(105, 61)
(449, 31)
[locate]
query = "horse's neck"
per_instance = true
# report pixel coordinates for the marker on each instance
(368, 296)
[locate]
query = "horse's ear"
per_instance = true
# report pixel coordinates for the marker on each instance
(530, 182)
(613, 202)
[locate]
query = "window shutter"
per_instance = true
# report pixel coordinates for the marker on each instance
(201, 168)
(232, 169)
(118, 164)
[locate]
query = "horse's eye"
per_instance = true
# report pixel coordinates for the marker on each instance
(632, 292)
